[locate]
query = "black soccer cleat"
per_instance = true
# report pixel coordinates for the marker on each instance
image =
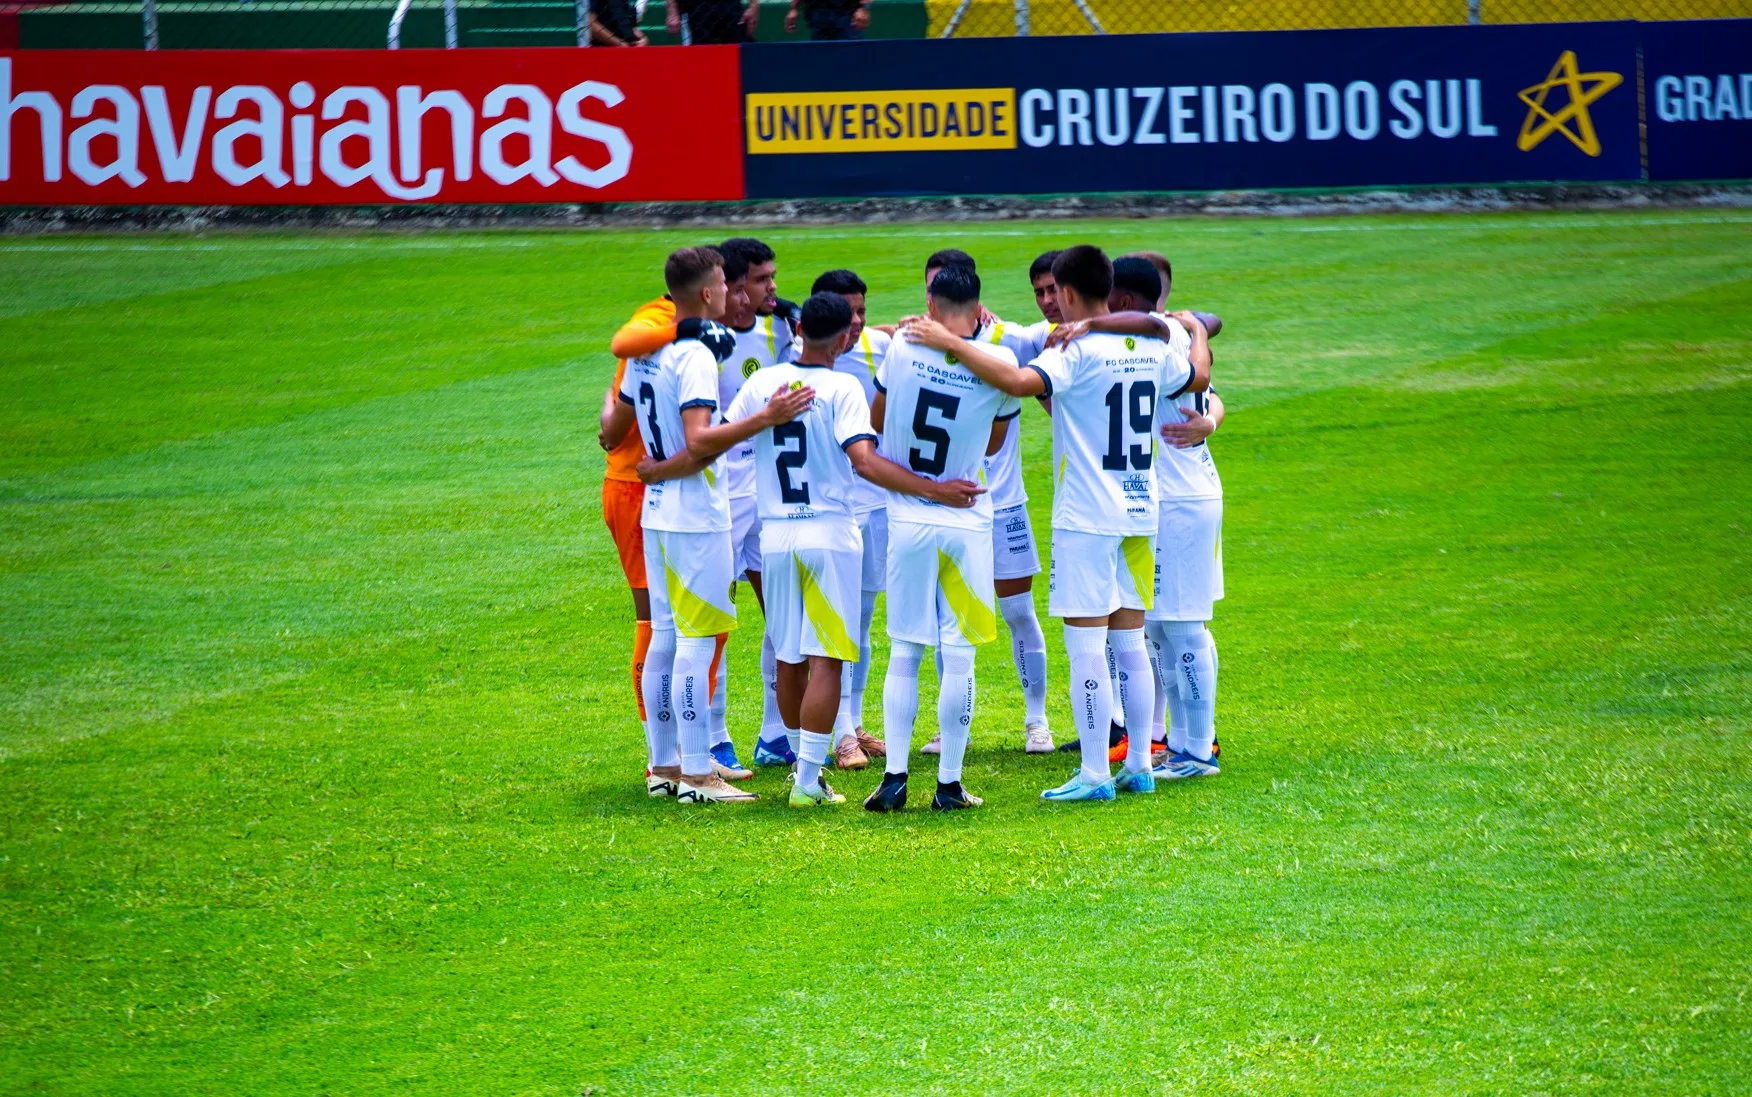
(1115, 736)
(890, 795)
(952, 797)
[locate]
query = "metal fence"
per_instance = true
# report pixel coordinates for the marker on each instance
(294, 24)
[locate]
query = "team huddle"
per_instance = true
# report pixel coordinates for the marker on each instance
(826, 462)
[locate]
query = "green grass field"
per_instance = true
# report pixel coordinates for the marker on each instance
(318, 769)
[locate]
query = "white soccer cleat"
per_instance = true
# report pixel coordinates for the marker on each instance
(656, 784)
(1037, 739)
(712, 790)
(935, 746)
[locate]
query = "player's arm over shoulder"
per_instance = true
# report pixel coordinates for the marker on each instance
(650, 330)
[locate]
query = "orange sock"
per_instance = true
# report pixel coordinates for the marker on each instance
(717, 658)
(641, 645)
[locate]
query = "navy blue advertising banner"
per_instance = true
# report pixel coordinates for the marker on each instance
(1699, 80)
(1397, 106)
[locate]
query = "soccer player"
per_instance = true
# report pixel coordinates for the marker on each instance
(853, 746)
(940, 420)
(1104, 389)
(808, 470)
(672, 396)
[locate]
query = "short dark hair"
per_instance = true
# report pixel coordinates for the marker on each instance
(825, 315)
(843, 282)
(1138, 275)
(950, 257)
(735, 266)
(956, 284)
(686, 268)
(1160, 262)
(753, 252)
(1042, 264)
(1086, 269)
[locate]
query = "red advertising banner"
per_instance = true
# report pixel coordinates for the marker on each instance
(366, 127)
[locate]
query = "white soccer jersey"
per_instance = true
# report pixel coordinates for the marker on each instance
(937, 422)
(1104, 390)
(681, 375)
(1004, 468)
(1183, 473)
(767, 343)
(860, 362)
(804, 480)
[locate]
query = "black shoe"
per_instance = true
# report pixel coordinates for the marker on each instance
(1115, 735)
(1072, 747)
(1216, 750)
(952, 797)
(890, 795)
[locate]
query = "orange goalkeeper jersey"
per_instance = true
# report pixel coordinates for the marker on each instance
(651, 329)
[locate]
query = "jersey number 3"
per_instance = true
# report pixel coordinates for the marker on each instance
(648, 397)
(788, 459)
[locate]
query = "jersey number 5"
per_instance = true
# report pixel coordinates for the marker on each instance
(926, 431)
(788, 459)
(1139, 406)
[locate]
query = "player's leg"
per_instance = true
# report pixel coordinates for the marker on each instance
(1084, 596)
(912, 631)
(828, 581)
(745, 546)
(1191, 582)
(1131, 657)
(873, 528)
(1015, 563)
(966, 618)
(663, 769)
(773, 746)
(696, 575)
(621, 504)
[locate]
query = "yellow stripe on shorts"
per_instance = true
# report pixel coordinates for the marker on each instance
(978, 621)
(1140, 560)
(829, 627)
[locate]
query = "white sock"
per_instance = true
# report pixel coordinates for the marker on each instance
(861, 669)
(1028, 651)
(720, 697)
(1195, 655)
(955, 695)
(843, 727)
(900, 701)
(1091, 696)
(693, 671)
(1157, 642)
(811, 756)
(772, 725)
(1113, 687)
(659, 715)
(1136, 691)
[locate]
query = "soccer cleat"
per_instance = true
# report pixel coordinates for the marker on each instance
(935, 746)
(872, 746)
(726, 765)
(824, 796)
(1183, 764)
(847, 754)
(1036, 739)
(1115, 741)
(1139, 781)
(1216, 750)
(662, 784)
(774, 752)
(1079, 787)
(952, 797)
(890, 795)
(712, 790)
(1116, 752)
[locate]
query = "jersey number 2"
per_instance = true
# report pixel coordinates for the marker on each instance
(788, 459)
(1139, 406)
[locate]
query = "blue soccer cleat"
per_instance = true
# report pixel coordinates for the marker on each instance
(1079, 787)
(774, 752)
(1140, 781)
(1181, 764)
(726, 765)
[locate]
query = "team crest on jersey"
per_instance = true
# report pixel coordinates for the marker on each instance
(951, 359)
(1130, 343)
(749, 365)
(795, 385)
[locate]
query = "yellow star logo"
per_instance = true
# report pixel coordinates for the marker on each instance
(1583, 88)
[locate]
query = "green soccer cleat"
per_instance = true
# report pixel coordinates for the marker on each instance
(825, 796)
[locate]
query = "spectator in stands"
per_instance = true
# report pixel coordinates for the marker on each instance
(711, 22)
(830, 20)
(615, 23)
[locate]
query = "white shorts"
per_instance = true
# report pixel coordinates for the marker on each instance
(690, 577)
(1013, 553)
(1094, 574)
(873, 527)
(1189, 559)
(940, 585)
(745, 534)
(812, 602)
